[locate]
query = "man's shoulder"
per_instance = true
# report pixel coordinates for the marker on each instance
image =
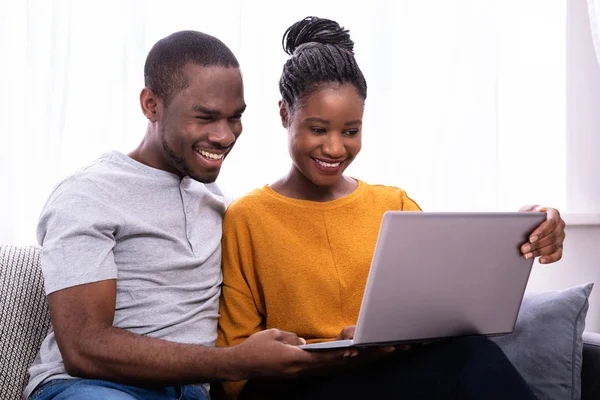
(101, 180)
(84, 178)
(108, 164)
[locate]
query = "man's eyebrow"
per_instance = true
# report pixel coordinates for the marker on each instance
(204, 110)
(240, 110)
(215, 113)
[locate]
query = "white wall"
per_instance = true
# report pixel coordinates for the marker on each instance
(581, 261)
(401, 145)
(466, 98)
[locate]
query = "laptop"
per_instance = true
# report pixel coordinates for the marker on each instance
(438, 275)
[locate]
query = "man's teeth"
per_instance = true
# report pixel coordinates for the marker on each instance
(212, 156)
(328, 165)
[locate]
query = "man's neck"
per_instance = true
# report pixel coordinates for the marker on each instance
(149, 152)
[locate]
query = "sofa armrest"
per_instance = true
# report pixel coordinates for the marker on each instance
(590, 371)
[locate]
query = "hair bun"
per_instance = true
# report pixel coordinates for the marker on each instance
(316, 30)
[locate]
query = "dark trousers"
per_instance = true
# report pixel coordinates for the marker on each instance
(464, 368)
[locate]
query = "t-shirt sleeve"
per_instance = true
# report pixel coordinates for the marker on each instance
(77, 233)
(239, 315)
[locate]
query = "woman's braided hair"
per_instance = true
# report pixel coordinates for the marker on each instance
(321, 53)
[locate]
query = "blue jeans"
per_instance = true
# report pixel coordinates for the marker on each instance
(94, 389)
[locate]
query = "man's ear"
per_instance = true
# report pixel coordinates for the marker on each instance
(284, 114)
(150, 104)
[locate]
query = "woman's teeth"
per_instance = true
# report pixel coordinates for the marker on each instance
(328, 165)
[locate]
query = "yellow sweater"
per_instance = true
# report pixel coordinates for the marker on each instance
(297, 265)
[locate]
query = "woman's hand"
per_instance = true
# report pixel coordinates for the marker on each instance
(546, 241)
(347, 333)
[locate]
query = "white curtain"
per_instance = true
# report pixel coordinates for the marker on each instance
(594, 11)
(466, 103)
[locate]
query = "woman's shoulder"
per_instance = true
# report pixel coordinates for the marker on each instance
(381, 189)
(393, 194)
(252, 202)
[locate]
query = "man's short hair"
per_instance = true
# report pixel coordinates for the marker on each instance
(164, 67)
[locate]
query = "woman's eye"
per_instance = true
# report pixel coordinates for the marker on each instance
(351, 132)
(318, 130)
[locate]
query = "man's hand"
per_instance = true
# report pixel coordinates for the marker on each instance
(372, 353)
(275, 353)
(348, 334)
(547, 239)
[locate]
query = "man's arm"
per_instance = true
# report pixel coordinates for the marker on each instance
(92, 347)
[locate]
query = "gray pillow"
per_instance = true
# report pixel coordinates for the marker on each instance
(546, 346)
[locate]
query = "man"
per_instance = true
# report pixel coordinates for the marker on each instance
(131, 249)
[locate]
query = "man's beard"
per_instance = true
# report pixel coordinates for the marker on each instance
(180, 165)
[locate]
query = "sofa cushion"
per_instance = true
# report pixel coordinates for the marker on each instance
(24, 317)
(546, 345)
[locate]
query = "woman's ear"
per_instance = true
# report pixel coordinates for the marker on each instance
(284, 114)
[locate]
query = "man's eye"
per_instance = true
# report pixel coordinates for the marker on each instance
(205, 118)
(235, 118)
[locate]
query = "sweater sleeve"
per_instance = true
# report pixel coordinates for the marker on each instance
(408, 204)
(239, 316)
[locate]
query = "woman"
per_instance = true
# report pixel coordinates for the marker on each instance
(296, 253)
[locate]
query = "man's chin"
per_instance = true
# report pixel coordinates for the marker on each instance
(205, 178)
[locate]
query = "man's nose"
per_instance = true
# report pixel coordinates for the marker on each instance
(222, 134)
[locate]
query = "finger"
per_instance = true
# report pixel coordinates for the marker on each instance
(545, 228)
(530, 208)
(544, 251)
(552, 257)
(325, 356)
(556, 238)
(347, 333)
(351, 352)
(540, 247)
(548, 240)
(287, 337)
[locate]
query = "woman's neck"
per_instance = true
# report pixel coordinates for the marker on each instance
(296, 186)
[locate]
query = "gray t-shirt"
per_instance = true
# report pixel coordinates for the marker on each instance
(158, 235)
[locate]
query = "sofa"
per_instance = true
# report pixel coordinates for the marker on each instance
(25, 321)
